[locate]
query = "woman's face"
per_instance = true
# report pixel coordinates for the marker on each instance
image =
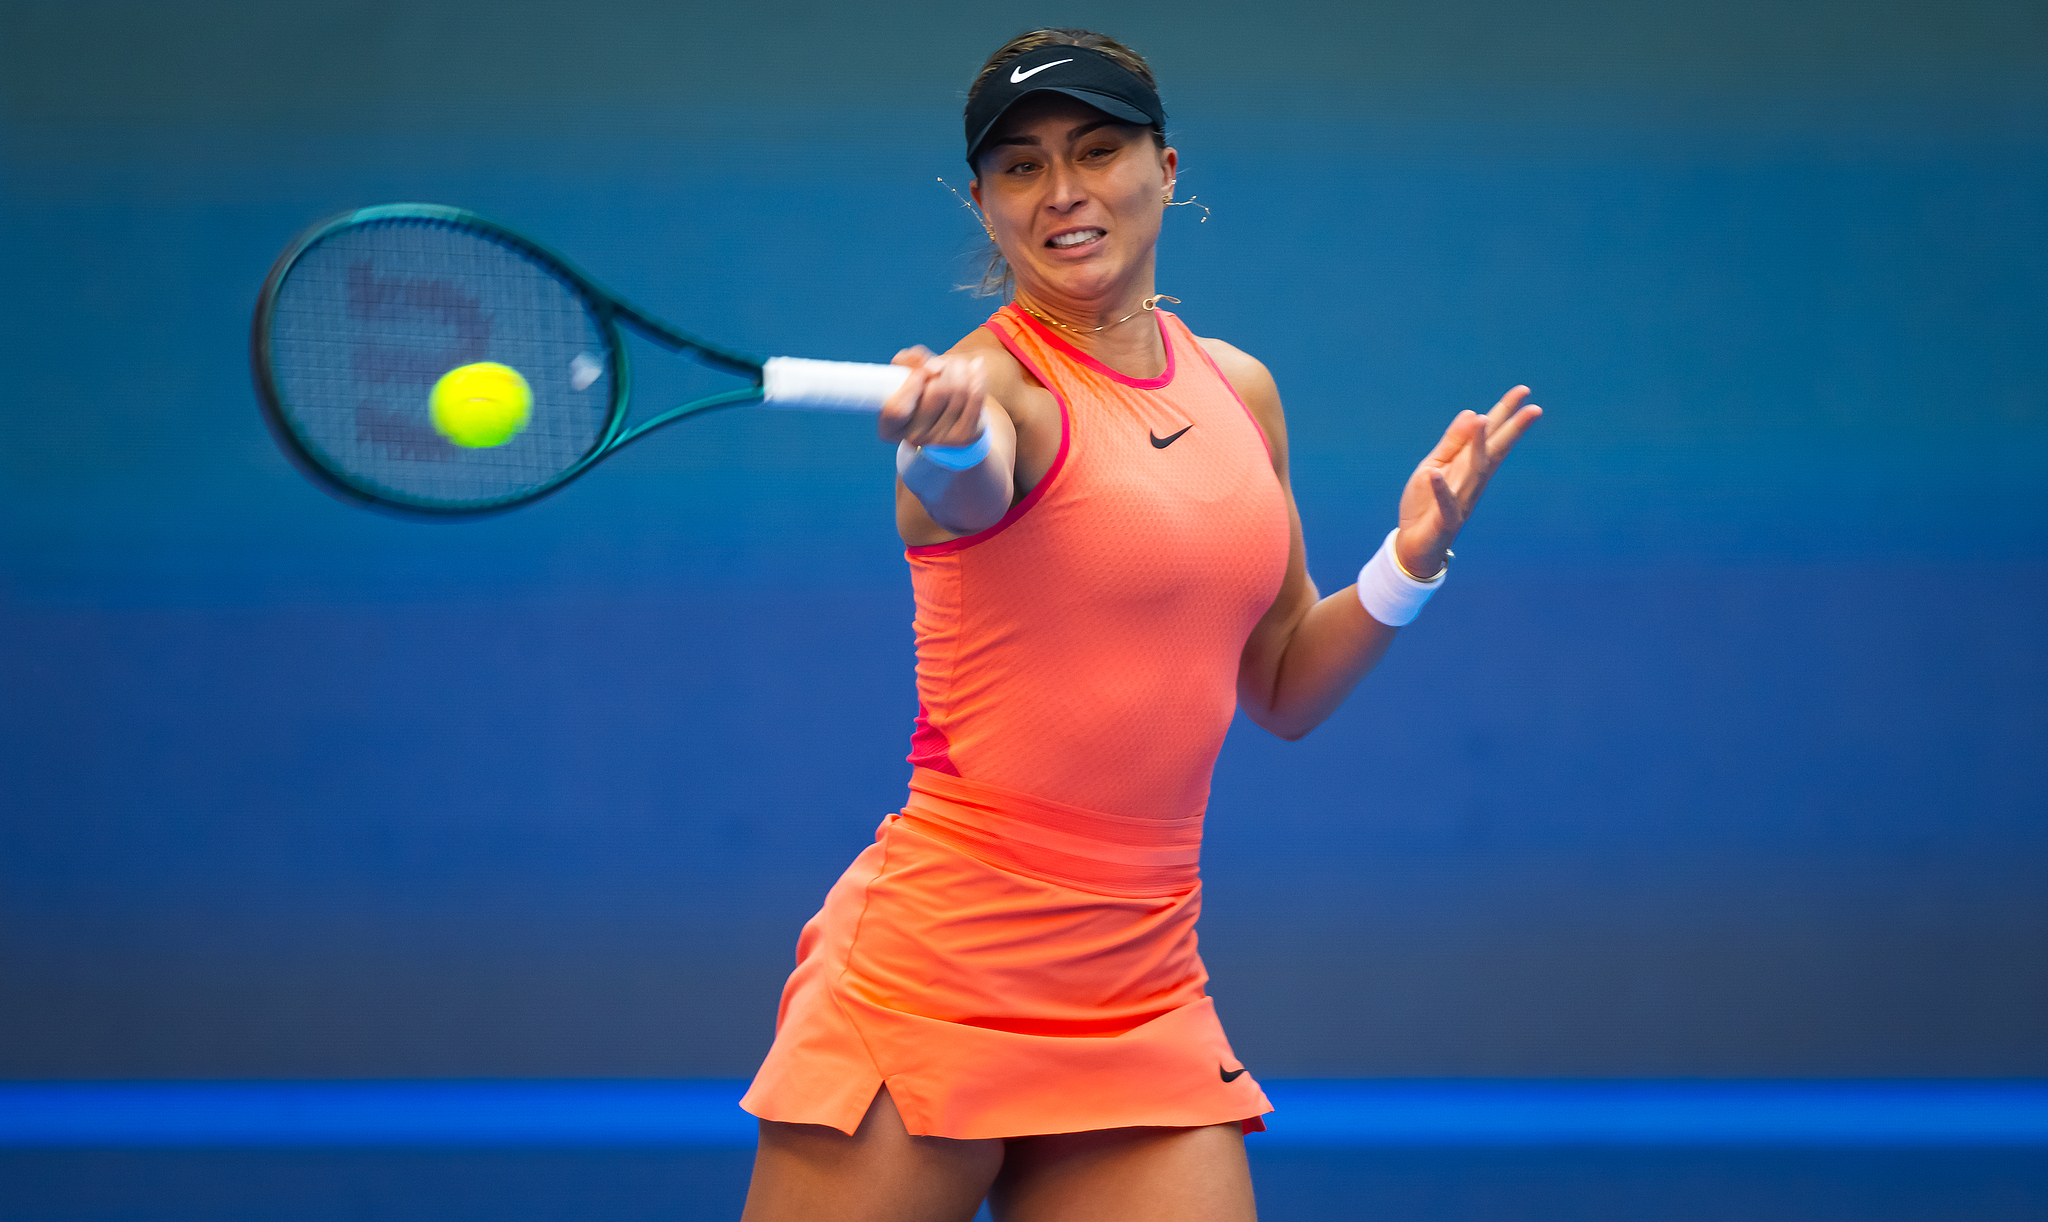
(1075, 197)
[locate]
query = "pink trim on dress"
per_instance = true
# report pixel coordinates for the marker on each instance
(1162, 381)
(1030, 498)
(928, 745)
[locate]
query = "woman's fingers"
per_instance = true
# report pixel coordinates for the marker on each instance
(1507, 405)
(912, 406)
(1455, 438)
(967, 424)
(1447, 506)
(959, 390)
(1503, 438)
(931, 401)
(1497, 433)
(899, 411)
(946, 409)
(1457, 470)
(1491, 448)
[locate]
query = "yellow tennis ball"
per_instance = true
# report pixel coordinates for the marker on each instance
(481, 405)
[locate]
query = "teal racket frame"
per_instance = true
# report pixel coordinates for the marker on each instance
(610, 310)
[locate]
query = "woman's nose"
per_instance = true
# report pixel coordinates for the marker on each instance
(1066, 189)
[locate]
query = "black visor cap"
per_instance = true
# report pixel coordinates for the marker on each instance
(1081, 73)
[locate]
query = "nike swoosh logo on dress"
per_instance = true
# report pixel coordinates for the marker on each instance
(1160, 443)
(1229, 1075)
(1017, 77)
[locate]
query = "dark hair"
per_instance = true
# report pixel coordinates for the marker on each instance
(996, 279)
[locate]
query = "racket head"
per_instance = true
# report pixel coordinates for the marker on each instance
(364, 313)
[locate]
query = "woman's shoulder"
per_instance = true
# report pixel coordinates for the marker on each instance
(1240, 368)
(1005, 371)
(983, 343)
(1254, 384)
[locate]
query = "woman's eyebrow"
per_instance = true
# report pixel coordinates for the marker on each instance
(1075, 134)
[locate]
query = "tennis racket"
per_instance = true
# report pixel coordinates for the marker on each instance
(365, 316)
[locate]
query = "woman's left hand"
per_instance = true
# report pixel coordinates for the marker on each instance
(1441, 494)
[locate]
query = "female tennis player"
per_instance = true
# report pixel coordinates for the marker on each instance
(1001, 998)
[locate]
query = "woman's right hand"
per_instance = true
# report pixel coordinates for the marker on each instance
(939, 404)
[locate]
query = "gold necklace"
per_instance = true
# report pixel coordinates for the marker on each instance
(1150, 303)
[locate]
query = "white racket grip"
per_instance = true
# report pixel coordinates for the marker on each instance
(836, 386)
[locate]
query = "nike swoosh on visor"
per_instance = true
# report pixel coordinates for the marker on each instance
(1017, 77)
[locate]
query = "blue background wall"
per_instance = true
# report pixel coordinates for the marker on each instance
(1719, 756)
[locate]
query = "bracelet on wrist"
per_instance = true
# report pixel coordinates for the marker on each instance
(1443, 568)
(1389, 592)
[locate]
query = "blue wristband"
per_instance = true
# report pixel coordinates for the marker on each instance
(958, 458)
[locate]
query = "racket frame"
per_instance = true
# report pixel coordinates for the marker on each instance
(608, 309)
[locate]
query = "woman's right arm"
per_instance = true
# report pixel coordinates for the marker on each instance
(966, 482)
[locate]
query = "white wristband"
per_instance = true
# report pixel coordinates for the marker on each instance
(959, 458)
(1389, 595)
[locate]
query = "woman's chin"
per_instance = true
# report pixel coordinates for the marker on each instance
(1080, 279)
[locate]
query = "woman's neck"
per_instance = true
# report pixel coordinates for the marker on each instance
(1118, 331)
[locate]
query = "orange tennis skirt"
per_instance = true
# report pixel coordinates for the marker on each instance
(1007, 966)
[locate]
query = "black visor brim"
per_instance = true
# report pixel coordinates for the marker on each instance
(1115, 108)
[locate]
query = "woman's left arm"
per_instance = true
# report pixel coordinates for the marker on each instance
(1307, 653)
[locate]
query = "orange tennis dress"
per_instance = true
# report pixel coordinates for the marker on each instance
(1015, 954)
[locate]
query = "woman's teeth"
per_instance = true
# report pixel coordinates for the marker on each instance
(1077, 238)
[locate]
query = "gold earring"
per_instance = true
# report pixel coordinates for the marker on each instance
(968, 204)
(1171, 202)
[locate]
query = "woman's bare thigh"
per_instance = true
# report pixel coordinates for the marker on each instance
(812, 1173)
(1127, 1175)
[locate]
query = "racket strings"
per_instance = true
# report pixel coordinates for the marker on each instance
(368, 320)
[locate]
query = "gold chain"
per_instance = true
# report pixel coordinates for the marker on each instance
(1150, 303)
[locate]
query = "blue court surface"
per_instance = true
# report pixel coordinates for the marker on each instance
(1335, 1149)
(1311, 1114)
